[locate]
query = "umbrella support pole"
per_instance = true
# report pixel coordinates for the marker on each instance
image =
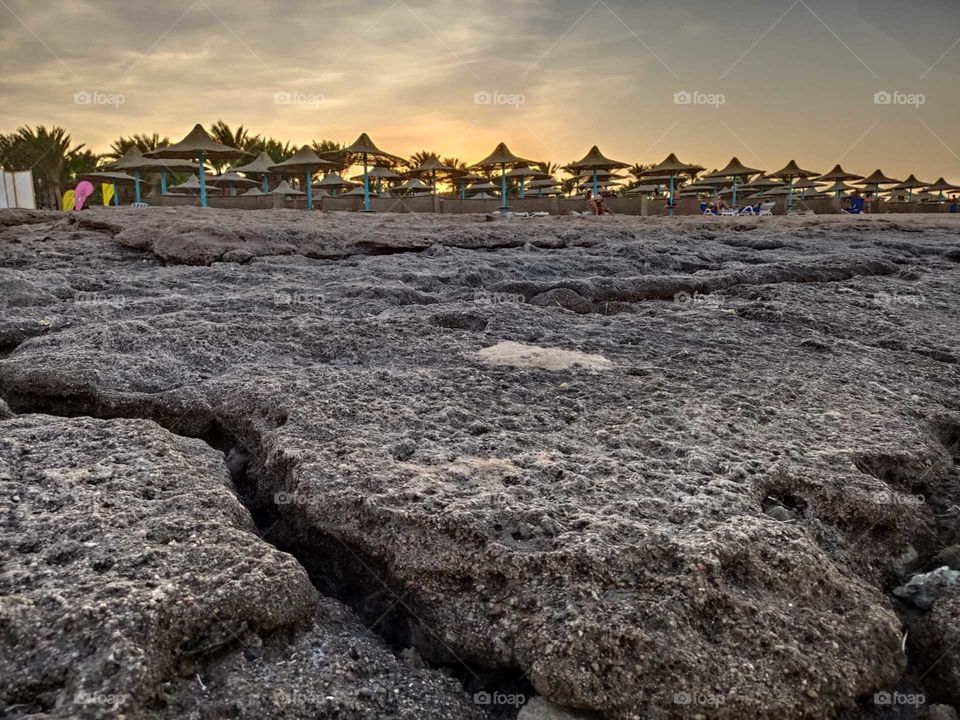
(522, 188)
(671, 196)
(116, 197)
(266, 186)
(163, 182)
(790, 196)
(503, 189)
(136, 186)
(203, 180)
(735, 190)
(596, 185)
(366, 185)
(309, 191)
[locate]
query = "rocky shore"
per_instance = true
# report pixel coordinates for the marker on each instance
(290, 465)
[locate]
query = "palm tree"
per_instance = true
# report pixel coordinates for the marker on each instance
(239, 138)
(225, 135)
(548, 167)
(455, 163)
(419, 158)
(279, 150)
(326, 146)
(144, 143)
(50, 154)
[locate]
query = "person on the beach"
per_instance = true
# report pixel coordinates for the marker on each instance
(596, 204)
(953, 203)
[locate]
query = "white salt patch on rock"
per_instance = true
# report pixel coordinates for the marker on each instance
(546, 358)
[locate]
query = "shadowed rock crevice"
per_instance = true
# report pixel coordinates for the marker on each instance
(337, 570)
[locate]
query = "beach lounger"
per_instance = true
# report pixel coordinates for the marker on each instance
(730, 212)
(767, 208)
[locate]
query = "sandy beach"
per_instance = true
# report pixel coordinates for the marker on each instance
(422, 466)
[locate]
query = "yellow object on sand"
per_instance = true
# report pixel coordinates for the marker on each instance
(68, 200)
(106, 189)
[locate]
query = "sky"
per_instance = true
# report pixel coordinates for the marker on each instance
(864, 83)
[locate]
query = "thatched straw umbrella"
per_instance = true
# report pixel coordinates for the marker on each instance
(231, 180)
(381, 173)
(543, 184)
(466, 179)
(305, 161)
(791, 173)
(526, 172)
(332, 182)
(502, 157)
(737, 170)
(430, 167)
(595, 161)
(284, 188)
(482, 187)
(763, 184)
(910, 184)
(198, 144)
(192, 184)
(671, 167)
(942, 186)
(260, 166)
(413, 186)
(365, 151)
(837, 176)
(133, 161)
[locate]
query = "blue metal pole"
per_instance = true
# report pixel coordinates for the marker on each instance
(503, 189)
(734, 191)
(136, 186)
(203, 180)
(379, 187)
(366, 186)
(523, 181)
(309, 190)
(163, 182)
(463, 190)
(116, 196)
(790, 196)
(596, 186)
(266, 185)
(671, 196)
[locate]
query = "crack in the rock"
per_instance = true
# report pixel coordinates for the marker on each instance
(338, 570)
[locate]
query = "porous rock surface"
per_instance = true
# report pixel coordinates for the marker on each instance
(130, 568)
(600, 531)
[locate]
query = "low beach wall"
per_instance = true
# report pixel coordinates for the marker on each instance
(655, 207)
